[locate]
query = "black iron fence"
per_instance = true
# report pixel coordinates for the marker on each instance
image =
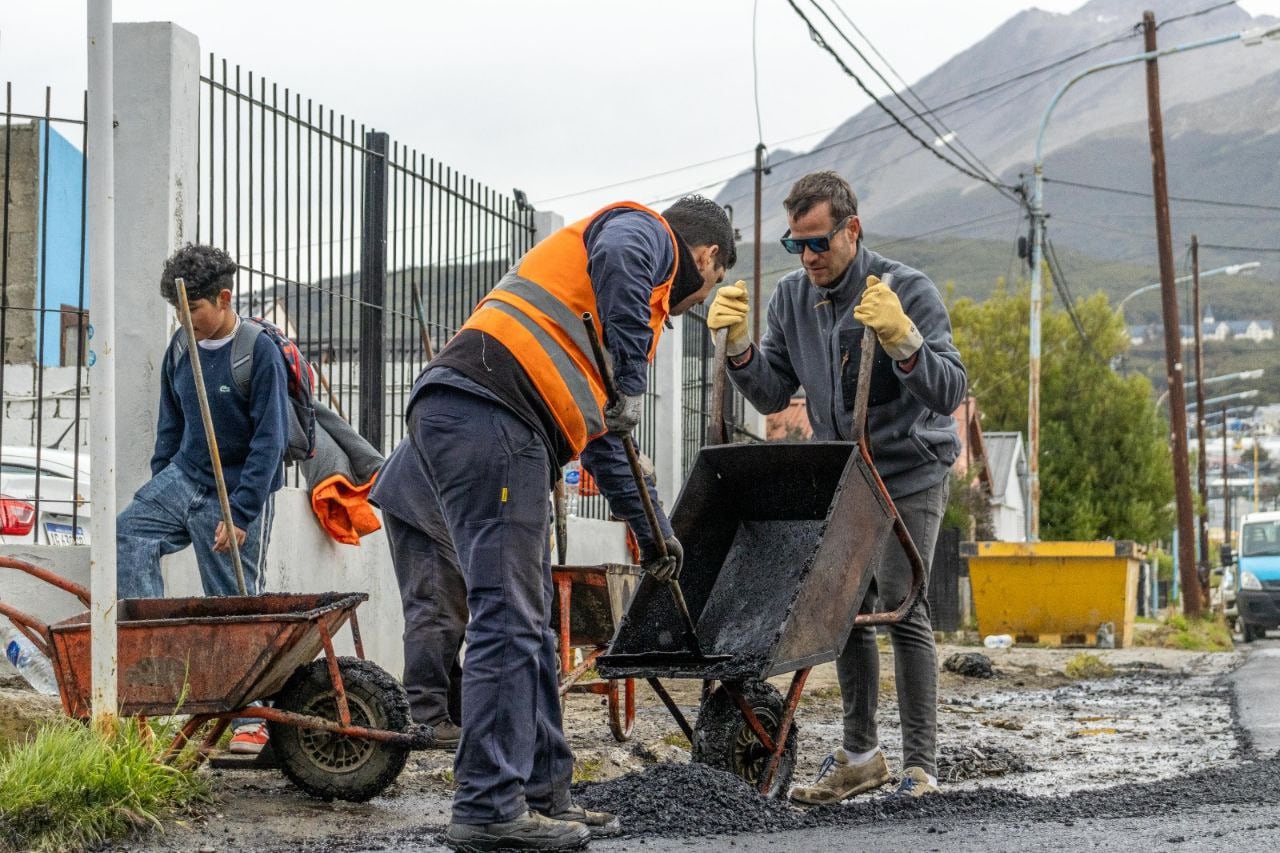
(367, 252)
(43, 325)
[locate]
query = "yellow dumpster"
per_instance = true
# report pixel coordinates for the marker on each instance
(1054, 592)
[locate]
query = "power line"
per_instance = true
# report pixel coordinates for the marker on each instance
(947, 105)
(1195, 14)
(755, 69)
(1239, 248)
(1068, 301)
(817, 38)
(972, 161)
(1140, 194)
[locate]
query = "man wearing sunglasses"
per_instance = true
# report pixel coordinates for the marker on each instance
(813, 340)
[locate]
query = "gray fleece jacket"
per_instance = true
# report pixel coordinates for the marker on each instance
(813, 340)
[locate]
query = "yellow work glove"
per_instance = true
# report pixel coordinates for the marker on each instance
(881, 310)
(729, 311)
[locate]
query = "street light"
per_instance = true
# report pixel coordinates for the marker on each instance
(1226, 377)
(1239, 395)
(1232, 269)
(1249, 37)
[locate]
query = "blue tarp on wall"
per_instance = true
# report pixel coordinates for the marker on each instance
(61, 257)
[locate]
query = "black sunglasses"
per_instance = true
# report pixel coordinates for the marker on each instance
(796, 245)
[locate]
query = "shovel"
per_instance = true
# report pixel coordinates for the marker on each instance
(655, 529)
(193, 352)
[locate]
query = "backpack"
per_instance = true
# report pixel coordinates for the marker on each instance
(301, 381)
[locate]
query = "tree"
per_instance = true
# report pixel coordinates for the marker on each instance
(1105, 465)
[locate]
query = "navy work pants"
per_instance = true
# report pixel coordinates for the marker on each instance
(491, 473)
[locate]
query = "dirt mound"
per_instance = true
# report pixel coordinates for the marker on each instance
(21, 713)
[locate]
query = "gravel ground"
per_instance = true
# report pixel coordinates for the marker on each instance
(1026, 745)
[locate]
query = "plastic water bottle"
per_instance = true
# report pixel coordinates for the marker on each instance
(572, 485)
(998, 641)
(29, 662)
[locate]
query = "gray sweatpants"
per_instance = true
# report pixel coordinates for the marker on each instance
(914, 655)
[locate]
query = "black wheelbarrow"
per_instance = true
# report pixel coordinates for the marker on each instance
(779, 541)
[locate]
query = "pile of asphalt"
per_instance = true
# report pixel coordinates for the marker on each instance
(687, 800)
(690, 800)
(970, 665)
(977, 761)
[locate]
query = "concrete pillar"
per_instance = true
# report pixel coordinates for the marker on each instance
(545, 223)
(157, 80)
(668, 413)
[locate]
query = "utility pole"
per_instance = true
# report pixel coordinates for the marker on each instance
(1226, 485)
(1202, 468)
(1172, 332)
(755, 290)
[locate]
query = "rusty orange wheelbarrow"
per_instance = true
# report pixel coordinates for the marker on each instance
(588, 602)
(339, 725)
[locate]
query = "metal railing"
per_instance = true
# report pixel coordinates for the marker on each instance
(364, 250)
(43, 325)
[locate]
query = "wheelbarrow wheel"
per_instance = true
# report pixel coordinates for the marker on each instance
(332, 766)
(723, 739)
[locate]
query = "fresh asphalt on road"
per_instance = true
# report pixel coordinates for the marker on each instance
(1231, 811)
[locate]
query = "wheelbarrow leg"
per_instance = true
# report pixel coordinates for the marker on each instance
(210, 741)
(184, 735)
(784, 727)
(355, 636)
(672, 707)
(331, 660)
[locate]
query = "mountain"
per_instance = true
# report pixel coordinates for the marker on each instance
(1222, 113)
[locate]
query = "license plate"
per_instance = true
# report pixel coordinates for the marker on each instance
(62, 534)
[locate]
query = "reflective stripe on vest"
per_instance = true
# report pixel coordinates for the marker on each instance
(536, 311)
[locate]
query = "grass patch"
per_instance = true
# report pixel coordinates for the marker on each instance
(1086, 666)
(72, 788)
(821, 694)
(677, 739)
(587, 770)
(1193, 635)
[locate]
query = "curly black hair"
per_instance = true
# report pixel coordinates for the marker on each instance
(701, 222)
(206, 270)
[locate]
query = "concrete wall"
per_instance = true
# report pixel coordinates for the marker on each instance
(23, 412)
(23, 207)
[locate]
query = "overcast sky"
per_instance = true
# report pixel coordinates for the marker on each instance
(555, 96)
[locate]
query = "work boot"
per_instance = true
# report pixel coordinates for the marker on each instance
(915, 783)
(601, 824)
(530, 831)
(839, 779)
(445, 735)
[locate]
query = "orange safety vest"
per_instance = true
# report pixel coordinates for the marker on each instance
(536, 310)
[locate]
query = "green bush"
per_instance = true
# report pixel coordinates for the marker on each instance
(74, 788)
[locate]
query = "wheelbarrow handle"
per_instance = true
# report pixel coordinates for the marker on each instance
(718, 432)
(48, 577)
(629, 445)
(865, 361)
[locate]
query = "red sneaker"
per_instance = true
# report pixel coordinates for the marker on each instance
(249, 739)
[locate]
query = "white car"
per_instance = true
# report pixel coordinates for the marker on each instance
(59, 513)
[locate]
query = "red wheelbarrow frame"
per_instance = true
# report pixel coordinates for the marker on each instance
(291, 637)
(621, 698)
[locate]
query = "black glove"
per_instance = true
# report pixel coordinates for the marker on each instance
(624, 414)
(664, 568)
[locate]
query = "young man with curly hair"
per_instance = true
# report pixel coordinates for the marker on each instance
(179, 506)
